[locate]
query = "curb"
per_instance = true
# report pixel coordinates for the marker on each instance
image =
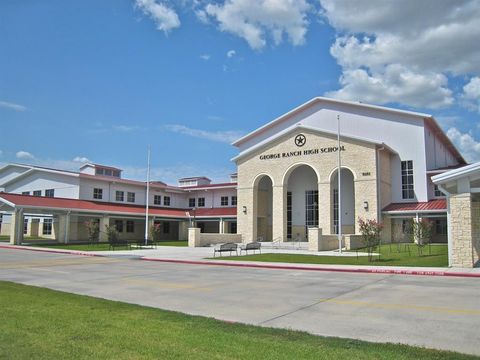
(68, 252)
(267, 266)
(320, 268)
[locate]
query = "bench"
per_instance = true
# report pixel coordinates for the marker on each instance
(118, 243)
(149, 243)
(228, 247)
(251, 246)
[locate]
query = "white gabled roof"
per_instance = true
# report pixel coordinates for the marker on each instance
(31, 169)
(280, 134)
(455, 174)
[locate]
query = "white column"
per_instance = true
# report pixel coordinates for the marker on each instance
(221, 229)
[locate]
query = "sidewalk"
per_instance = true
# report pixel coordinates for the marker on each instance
(203, 255)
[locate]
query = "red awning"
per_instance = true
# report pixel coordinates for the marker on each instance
(437, 205)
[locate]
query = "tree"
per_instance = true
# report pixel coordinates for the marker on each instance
(93, 230)
(112, 233)
(370, 230)
(155, 231)
(421, 233)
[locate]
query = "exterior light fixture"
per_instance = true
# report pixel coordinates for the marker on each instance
(245, 210)
(365, 205)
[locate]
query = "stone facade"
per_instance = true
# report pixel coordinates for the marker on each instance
(465, 230)
(275, 160)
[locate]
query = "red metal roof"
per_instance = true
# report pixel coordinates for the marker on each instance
(432, 205)
(46, 203)
(227, 211)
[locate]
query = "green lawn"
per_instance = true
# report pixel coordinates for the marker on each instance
(104, 246)
(389, 257)
(39, 323)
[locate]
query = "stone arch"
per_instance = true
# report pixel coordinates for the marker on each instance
(347, 177)
(263, 207)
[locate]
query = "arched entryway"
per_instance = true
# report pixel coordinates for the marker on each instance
(347, 187)
(301, 183)
(263, 188)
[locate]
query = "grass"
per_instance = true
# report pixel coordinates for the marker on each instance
(104, 246)
(39, 323)
(7, 238)
(389, 257)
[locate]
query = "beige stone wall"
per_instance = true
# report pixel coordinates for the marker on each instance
(359, 157)
(462, 230)
(476, 232)
(198, 239)
(353, 242)
(385, 183)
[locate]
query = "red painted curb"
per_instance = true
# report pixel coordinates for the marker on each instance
(68, 252)
(353, 270)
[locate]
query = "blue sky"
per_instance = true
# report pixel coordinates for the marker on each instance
(99, 80)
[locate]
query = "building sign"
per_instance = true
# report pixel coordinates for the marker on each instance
(319, 151)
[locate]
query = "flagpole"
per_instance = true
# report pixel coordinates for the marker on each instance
(147, 195)
(339, 194)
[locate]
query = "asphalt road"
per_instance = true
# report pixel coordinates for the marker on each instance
(435, 312)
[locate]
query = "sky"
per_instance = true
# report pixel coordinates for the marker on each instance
(99, 81)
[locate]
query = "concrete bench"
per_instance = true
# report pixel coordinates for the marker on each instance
(228, 247)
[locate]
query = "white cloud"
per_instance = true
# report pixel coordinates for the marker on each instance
(81, 159)
(12, 106)
(165, 17)
(124, 128)
(258, 21)
(231, 53)
(205, 57)
(467, 145)
(377, 34)
(1, 152)
(24, 155)
(471, 94)
(394, 84)
(219, 136)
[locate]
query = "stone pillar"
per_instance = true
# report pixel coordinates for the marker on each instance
(183, 230)
(193, 237)
(324, 207)
(60, 235)
(279, 221)
(16, 227)
(461, 230)
(104, 221)
(221, 228)
(314, 239)
(247, 214)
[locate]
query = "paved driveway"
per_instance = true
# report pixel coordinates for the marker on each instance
(437, 312)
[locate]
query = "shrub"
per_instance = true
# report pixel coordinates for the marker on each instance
(112, 233)
(155, 231)
(370, 230)
(93, 230)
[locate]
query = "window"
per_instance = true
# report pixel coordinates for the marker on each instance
(37, 193)
(335, 211)
(25, 192)
(289, 215)
(119, 195)
(233, 228)
(157, 199)
(99, 171)
(166, 228)
(130, 196)
(191, 202)
(201, 202)
(234, 200)
(130, 226)
(166, 200)
(97, 193)
(407, 180)
(50, 193)
(437, 191)
(25, 226)
(441, 227)
(224, 201)
(311, 208)
(47, 226)
(119, 225)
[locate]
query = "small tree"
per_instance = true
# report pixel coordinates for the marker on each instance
(93, 231)
(421, 233)
(370, 230)
(155, 231)
(112, 233)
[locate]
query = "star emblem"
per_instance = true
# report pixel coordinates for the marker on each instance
(300, 140)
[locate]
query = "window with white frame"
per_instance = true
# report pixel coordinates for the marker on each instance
(166, 200)
(47, 226)
(166, 227)
(157, 199)
(191, 202)
(130, 226)
(50, 193)
(119, 225)
(25, 226)
(37, 193)
(97, 193)
(25, 192)
(130, 196)
(119, 195)
(201, 202)
(437, 192)
(234, 200)
(407, 180)
(224, 201)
